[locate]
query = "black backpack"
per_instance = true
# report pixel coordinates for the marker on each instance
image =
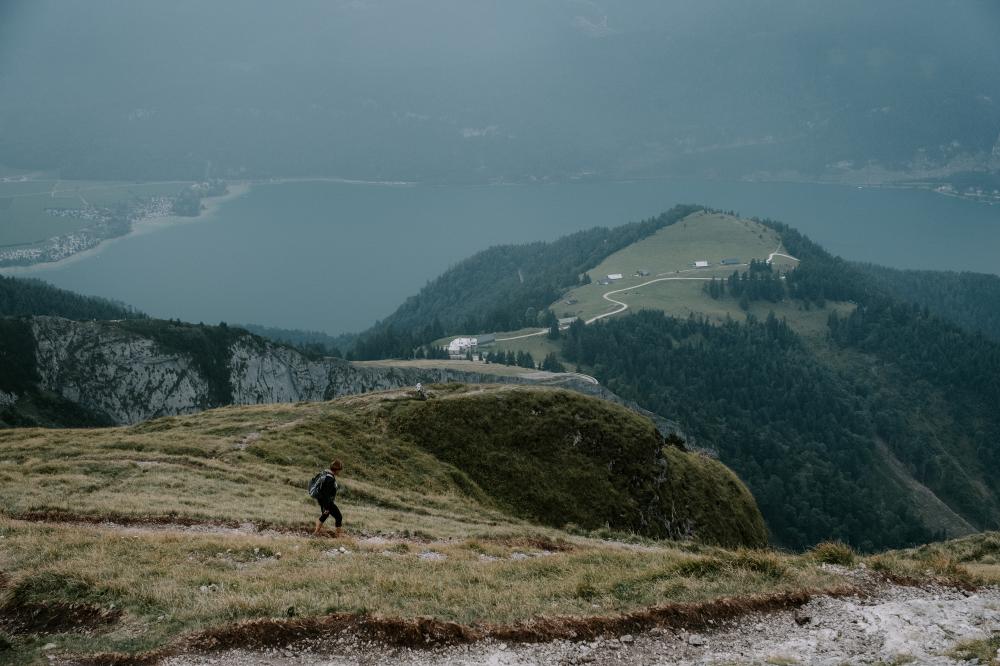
(317, 483)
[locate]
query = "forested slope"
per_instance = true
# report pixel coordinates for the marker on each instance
(808, 425)
(25, 297)
(502, 288)
(880, 429)
(971, 300)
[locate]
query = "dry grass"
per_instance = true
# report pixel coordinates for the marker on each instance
(238, 465)
(444, 550)
(968, 562)
(169, 583)
(833, 552)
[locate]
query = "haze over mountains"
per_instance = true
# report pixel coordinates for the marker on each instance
(556, 428)
(474, 91)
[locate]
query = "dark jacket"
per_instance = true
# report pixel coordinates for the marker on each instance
(328, 488)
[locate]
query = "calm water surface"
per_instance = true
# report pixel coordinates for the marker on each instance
(336, 257)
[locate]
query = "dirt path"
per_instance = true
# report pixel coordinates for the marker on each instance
(894, 625)
(622, 306)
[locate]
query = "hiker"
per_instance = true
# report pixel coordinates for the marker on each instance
(326, 495)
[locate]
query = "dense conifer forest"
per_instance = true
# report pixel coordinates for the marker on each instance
(25, 297)
(971, 300)
(832, 435)
(501, 289)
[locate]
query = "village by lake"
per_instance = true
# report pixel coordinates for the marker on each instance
(336, 256)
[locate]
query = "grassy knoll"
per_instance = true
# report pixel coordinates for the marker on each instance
(249, 464)
(538, 346)
(24, 218)
(669, 253)
(681, 299)
(597, 464)
(710, 237)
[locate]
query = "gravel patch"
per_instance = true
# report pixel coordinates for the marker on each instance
(894, 625)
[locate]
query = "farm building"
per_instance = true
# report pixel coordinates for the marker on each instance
(731, 261)
(642, 272)
(459, 346)
(701, 264)
(615, 276)
(566, 321)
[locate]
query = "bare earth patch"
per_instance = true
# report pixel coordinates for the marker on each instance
(896, 624)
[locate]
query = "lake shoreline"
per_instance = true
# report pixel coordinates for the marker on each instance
(140, 227)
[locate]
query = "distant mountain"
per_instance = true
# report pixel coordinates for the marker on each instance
(502, 288)
(851, 91)
(853, 414)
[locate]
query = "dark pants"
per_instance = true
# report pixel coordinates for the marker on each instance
(329, 508)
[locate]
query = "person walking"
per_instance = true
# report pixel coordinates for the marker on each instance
(327, 494)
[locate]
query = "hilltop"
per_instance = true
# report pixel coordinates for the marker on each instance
(818, 381)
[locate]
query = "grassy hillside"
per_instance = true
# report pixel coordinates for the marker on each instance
(556, 458)
(249, 464)
(839, 398)
(502, 288)
(671, 253)
(162, 536)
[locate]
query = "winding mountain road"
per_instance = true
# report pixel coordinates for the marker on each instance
(622, 306)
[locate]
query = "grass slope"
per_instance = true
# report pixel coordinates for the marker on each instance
(437, 519)
(249, 464)
(671, 252)
(558, 458)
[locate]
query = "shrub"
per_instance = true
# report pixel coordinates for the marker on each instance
(833, 552)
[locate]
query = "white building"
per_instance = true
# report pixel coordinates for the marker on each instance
(614, 276)
(459, 346)
(701, 264)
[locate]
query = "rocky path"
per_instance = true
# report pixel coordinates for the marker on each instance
(894, 625)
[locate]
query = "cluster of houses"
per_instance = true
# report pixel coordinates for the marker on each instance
(642, 272)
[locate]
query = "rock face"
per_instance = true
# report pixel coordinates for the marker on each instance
(115, 372)
(260, 372)
(109, 368)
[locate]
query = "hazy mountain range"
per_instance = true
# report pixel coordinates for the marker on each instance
(482, 91)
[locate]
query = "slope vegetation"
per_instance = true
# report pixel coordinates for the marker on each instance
(500, 455)
(850, 411)
(187, 533)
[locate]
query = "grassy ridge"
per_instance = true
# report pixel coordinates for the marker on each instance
(413, 466)
(434, 528)
(598, 464)
(700, 236)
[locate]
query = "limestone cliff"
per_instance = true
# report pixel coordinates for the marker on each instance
(131, 371)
